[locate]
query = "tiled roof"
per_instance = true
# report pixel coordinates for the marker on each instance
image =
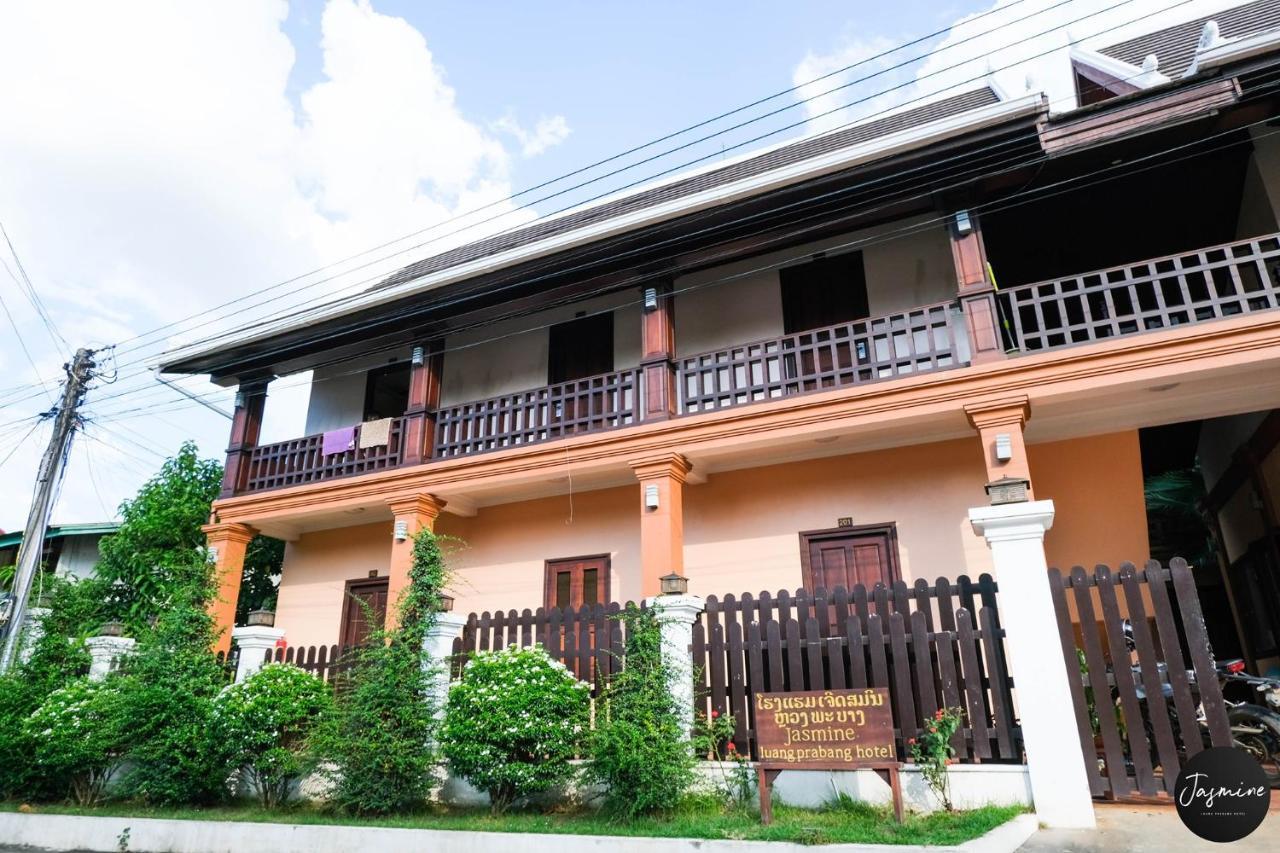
(768, 161)
(1175, 47)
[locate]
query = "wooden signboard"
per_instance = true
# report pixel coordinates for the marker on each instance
(825, 730)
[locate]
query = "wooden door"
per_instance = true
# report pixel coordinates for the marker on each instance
(849, 556)
(577, 581)
(364, 610)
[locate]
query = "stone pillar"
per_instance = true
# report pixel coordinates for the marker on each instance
(424, 399)
(662, 479)
(976, 291)
(105, 654)
(412, 513)
(254, 642)
(1059, 785)
(658, 349)
(437, 648)
(994, 419)
(32, 629)
(676, 614)
(227, 544)
(246, 426)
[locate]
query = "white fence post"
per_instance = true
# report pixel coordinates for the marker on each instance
(1055, 764)
(254, 641)
(437, 647)
(676, 615)
(105, 654)
(32, 629)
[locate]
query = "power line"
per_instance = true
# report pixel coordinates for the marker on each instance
(23, 344)
(33, 296)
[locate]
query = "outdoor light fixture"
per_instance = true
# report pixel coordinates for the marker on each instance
(650, 497)
(113, 628)
(446, 603)
(651, 299)
(401, 530)
(1008, 490)
(1004, 447)
(211, 553)
(963, 223)
(674, 584)
(262, 618)
(418, 356)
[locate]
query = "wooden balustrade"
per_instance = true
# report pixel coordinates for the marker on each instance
(903, 344)
(595, 403)
(302, 460)
(1190, 287)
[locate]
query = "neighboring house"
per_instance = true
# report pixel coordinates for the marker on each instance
(791, 368)
(70, 550)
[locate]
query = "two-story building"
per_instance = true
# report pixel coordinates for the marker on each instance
(799, 367)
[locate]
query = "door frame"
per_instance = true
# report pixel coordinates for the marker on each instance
(384, 580)
(605, 582)
(888, 529)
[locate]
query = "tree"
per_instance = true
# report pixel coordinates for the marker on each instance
(262, 563)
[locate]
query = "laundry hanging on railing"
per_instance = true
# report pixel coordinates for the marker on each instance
(375, 433)
(338, 441)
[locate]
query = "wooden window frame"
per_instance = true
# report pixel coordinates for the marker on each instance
(371, 377)
(888, 529)
(548, 588)
(605, 320)
(385, 580)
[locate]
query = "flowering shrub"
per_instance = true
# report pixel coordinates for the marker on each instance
(513, 723)
(266, 721)
(933, 752)
(713, 739)
(79, 738)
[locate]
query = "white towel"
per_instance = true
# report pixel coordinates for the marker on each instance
(375, 433)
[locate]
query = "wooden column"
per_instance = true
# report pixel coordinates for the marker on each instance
(658, 351)
(227, 545)
(994, 418)
(424, 399)
(977, 292)
(661, 527)
(412, 513)
(246, 426)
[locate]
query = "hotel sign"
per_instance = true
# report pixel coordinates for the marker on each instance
(825, 728)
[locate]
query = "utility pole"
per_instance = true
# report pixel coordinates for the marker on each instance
(66, 418)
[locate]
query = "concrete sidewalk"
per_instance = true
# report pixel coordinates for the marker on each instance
(1143, 829)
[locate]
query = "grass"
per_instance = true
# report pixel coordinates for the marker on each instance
(704, 818)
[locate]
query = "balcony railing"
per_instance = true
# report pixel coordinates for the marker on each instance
(910, 342)
(302, 460)
(1192, 287)
(592, 404)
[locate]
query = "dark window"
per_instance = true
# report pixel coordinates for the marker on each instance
(386, 392)
(823, 292)
(577, 581)
(579, 348)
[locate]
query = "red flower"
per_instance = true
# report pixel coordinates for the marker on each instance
(732, 747)
(939, 715)
(911, 740)
(715, 714)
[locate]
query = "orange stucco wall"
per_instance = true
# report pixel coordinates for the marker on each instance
(742, 527)
(1096, 486)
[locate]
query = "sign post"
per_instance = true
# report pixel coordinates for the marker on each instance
(825, 730)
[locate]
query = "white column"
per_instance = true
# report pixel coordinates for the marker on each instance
(437, 648)
(105, 654)
(32, 631)
(676, 615)
(1055, 763)
(254, 641)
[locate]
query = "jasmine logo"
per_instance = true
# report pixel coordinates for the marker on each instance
(1222, 794)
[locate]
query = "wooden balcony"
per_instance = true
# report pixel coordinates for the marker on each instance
(1192, 287)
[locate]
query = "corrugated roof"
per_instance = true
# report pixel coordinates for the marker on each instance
(768, 161)
(1175, 47)
(61, 531)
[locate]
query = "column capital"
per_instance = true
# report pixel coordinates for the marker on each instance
(1012, 522)
(447, 624)
(419, 504)
(230, 531)
(259, 637)
(678, 608)
(1006, 411)
(673, 465)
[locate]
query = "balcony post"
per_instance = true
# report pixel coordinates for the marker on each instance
(658, 350)
(412, 513)
(662, 478)
(246, 426)
(976, 290)
(1000, 424)
(227, 545)
(424, 398)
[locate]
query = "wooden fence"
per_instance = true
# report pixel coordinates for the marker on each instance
(589, 640)
(932, 645)
(324, 662)
(1134, 738)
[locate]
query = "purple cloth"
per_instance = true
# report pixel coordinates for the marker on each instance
(338, 440)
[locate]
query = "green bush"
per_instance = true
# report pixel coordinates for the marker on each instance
(638, 751)
(513, 723)
(79, 738)
(266, 721)
(376, 743)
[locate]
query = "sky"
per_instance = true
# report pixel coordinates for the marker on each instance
(161, 158)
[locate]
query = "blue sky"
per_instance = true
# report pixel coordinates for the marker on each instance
(161, 157)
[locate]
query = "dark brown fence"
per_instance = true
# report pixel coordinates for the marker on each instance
(229, 661)
(302, 460)
(589, 640)
(324, 662)
(933, 645)
(1135, 738)
(915, 341)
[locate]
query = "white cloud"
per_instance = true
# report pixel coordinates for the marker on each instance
(547, 132)
(154, 166)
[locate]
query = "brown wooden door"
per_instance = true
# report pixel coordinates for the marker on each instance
(849, 556)
(577, 581)
(364, 610)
